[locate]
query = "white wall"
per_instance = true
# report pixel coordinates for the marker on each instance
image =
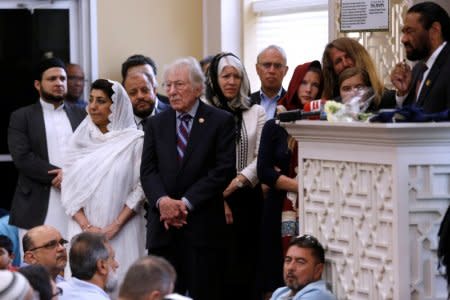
(163, 30)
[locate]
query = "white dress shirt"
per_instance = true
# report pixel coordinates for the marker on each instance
(57, 132)
(76, 289)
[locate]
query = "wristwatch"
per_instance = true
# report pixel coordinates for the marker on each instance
(239, 183)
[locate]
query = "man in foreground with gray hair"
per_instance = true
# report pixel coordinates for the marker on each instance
(149, 278)
(93, 268)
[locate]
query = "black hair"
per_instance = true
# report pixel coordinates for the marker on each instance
(46, 64)
(103, 85)
(309, 242)
(137, 60)
(27, 243)
(5, 242)
(431, 12)
(39, 279)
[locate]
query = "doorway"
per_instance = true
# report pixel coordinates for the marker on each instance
(29, 32)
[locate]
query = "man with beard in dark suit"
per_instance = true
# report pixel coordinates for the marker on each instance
(145, 64)
(188, 159)
(426, 33)
(139, 87)
(37, 135)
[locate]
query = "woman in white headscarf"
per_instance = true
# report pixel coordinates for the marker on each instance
(101, 190)
(228, 88)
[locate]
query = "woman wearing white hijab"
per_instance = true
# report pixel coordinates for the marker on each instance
(101, 189)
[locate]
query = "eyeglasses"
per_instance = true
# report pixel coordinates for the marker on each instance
(268, 65)
(307, 238)
(178, 85)
(59, 292)
(51, 245)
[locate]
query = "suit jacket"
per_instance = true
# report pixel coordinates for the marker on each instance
(162, 105)
(27, 144)
(435, 93)
(256, 98)
(163, 99)
(207, 167)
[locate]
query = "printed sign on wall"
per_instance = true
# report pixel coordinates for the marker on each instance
(364, 15)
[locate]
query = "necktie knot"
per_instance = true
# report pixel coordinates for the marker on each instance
(186, 118)
(422, 67)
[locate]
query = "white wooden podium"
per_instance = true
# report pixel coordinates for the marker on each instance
(374, 195)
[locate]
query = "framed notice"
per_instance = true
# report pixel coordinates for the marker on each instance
(364, 15)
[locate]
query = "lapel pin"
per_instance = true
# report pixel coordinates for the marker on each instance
(428, 82)
(201, 120)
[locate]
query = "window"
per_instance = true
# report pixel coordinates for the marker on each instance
(301, 29)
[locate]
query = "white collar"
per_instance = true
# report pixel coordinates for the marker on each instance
(261, 93)
(49, 106)
(432, 59)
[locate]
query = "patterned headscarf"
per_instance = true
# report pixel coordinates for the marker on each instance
(215, 95)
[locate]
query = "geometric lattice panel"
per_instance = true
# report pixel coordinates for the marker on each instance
(429, 197)
(348, 206)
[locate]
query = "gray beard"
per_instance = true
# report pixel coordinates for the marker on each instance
(112, 281)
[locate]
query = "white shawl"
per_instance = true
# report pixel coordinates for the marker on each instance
(90, 153)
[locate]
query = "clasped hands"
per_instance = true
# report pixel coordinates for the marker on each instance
(173, 212)
(110, 231)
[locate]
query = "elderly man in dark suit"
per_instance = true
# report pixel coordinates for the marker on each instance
(37, 135)
(426, 33)
(187, 161)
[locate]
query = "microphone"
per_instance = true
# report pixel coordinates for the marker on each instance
(312, 110)
(317, 107)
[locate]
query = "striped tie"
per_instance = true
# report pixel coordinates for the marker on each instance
(183, 135)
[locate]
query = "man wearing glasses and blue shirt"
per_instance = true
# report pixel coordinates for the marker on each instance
(45, 246)
(303, 266)
(271, 68)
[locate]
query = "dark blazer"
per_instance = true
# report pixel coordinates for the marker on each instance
(256, 98)
(435, 93)
(28, 146)
(207, 167)
(162, 106)
(163, 98)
